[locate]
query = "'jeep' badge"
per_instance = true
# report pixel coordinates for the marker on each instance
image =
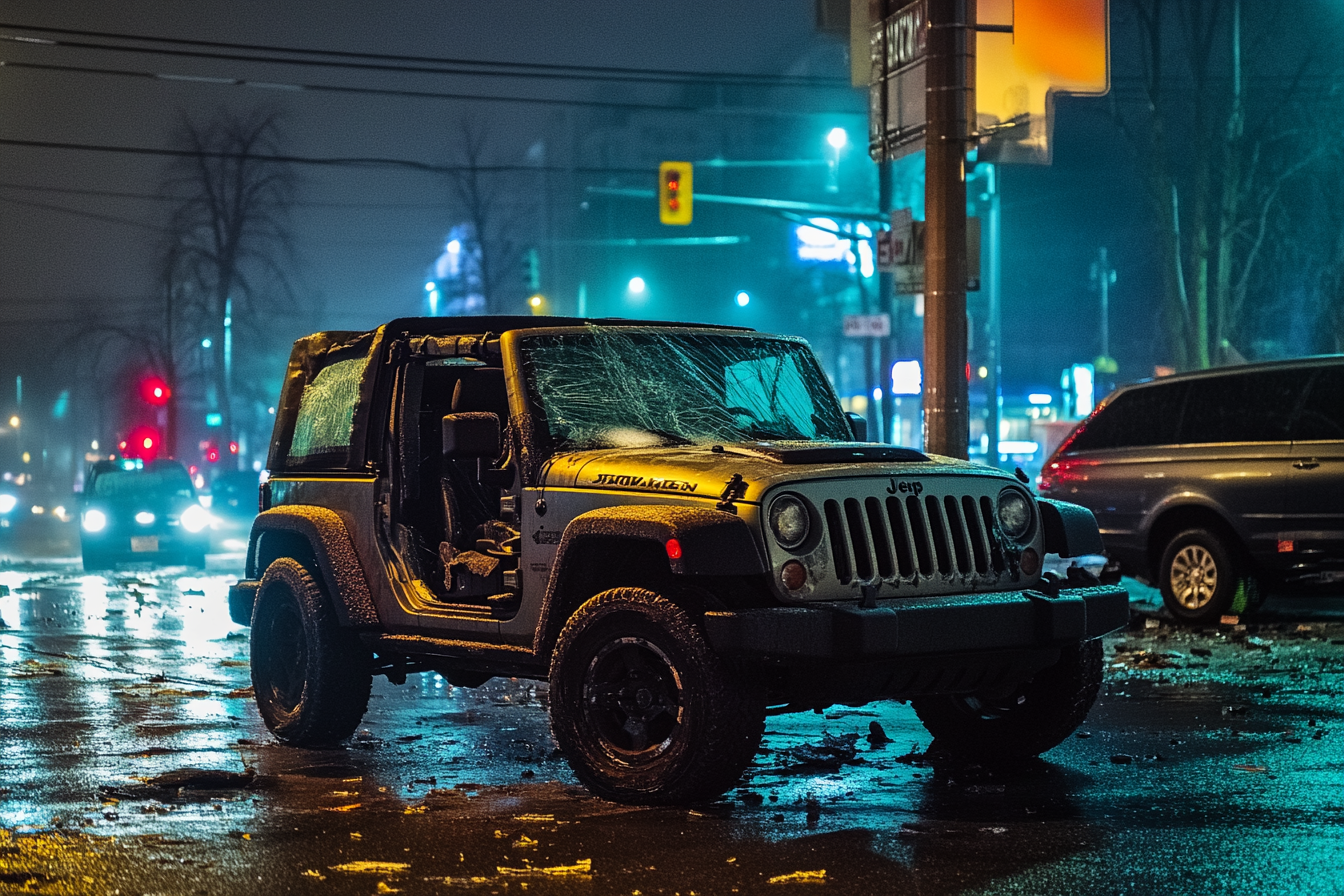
(906, 487)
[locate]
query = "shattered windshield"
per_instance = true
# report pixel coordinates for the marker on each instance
(614, 387)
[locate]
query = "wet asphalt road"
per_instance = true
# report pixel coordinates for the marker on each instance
(1213, 763)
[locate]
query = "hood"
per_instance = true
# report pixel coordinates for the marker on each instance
(704, 470)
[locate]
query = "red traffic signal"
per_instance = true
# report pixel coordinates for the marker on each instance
(155, 391)
(674, 192)
(142, 442)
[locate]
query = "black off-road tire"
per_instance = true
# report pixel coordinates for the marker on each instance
(644, 709)
(1198, 577)
(311, 677)
(1037, 715)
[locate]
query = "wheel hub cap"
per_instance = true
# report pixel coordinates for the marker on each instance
(1194, 576)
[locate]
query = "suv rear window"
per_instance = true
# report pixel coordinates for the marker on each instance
(324, 425)
(1245, 407)
(1149, 415)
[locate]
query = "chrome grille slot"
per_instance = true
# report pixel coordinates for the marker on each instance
(995, 552)
(971, 520)
(882, 546)
(960, 537)
(920, 530)
(840, 553)
(938, 527)
(900, 533)
(859, 540)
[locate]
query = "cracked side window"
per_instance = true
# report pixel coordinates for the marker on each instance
(325, 422)
(616, 387)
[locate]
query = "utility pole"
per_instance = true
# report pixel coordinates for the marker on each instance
(947, 99)
(993, 328)
(1103, 275)
(886, 291)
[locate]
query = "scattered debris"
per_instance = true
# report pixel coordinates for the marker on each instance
(582, 870)
(372, 867)
(877, 735)
(1230, 620)
(1249, 768)
(246, 693)
(833, 751)
(800, 877)
(1122, 759)
(204, 779)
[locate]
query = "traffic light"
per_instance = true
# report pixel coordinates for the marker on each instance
(155, 391)
(674, 192)
(142, 442)
(531, 271)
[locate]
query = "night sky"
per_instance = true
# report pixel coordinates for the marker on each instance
(79, 229)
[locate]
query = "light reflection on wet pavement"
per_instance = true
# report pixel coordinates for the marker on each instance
(1214, 762)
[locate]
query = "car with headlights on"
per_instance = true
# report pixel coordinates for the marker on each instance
(137, 510)
(676, 525)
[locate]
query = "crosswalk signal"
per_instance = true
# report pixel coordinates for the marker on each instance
(674, 192)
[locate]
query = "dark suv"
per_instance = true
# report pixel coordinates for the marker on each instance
(676, 525)
(1212, 483)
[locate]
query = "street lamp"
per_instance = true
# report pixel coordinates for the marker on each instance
(837, 139)
(743, 299)
(636, 285)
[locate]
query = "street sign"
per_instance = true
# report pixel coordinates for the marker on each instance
(909, 272)
(867, 325)
(897, 48)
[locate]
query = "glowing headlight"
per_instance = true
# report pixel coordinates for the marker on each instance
(790, 521)
(94, 521)
(144, 518)
(7, 503)
(195, 518)
(1015, 514)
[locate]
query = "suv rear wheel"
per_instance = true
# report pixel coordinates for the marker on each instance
(312, 677)
(1197, 576)
(644, 709)
(1037, 715)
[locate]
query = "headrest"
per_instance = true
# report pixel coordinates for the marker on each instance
(481, 389)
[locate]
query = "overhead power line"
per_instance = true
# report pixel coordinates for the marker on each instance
(409, 63)
(346, 162)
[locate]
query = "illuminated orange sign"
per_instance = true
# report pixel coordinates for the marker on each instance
(1055, 47)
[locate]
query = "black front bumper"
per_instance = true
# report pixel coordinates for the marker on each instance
(900, 628)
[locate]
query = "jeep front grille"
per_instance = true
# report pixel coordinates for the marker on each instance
(889, 539)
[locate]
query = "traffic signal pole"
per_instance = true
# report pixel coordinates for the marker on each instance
(947, 100)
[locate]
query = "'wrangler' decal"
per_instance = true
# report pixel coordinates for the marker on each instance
(662, 485)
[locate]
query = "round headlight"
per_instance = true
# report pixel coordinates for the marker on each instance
(1015, 514)
(195, 518)
(790, 521)
(94, 521)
